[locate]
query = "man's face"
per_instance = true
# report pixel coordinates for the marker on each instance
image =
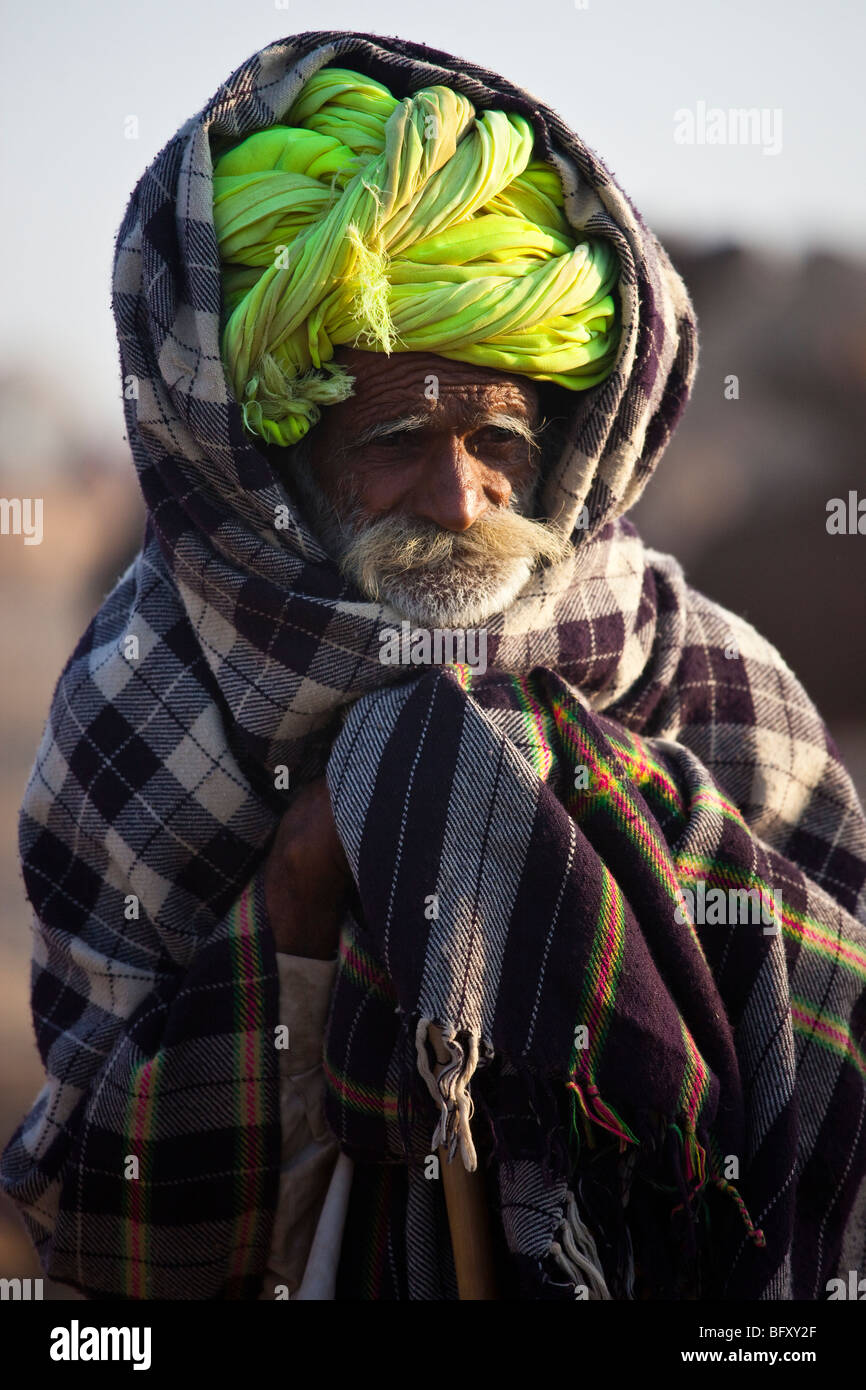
(420, 483)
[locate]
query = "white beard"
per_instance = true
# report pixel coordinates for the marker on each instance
(452, 595)
(456, 595)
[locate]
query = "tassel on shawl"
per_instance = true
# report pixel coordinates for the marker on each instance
(576, 1254)
(696, 1168)
(451, 1089)
(595, 1109)
(702, 1169)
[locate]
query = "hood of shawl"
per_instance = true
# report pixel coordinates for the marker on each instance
(198, 467)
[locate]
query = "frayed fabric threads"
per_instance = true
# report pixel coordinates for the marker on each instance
(370, 305)
(278, 400)
(576, 1254)
(450, 1089)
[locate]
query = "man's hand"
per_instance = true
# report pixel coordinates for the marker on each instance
(307, 879)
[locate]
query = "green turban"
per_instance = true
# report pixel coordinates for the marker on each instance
(398, 226)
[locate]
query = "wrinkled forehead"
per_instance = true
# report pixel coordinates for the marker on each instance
(420, 383)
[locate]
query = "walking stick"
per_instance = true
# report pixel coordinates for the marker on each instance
(468, 1213)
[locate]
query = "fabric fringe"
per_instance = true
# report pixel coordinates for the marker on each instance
(755, 1233)
(450, 1090)
(701, 1169)
(291, 401)
(694, 1167)
(576, 1254)
(594, 1108)
(371, 303)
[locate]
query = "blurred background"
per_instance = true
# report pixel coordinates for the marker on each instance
(768, 234)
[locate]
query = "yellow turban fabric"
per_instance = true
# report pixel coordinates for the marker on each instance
(398, 226)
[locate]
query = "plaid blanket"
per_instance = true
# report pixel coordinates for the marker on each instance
(668, 1103)
(541, 880)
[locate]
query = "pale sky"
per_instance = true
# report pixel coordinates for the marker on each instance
(618, 71)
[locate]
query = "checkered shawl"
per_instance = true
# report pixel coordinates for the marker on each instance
(233, 649)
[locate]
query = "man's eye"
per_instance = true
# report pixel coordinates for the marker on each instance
(497, 435)
(399, 439)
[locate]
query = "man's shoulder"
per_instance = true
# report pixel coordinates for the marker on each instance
(136, 644)
(132, 748)
(731, 693)
(709, 624)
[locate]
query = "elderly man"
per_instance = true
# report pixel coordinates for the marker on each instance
(312, 926)
(423, 501)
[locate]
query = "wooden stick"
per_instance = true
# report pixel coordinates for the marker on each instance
(468, 1213)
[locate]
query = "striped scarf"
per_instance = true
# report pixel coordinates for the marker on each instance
(662, 1103)
(629, 1052)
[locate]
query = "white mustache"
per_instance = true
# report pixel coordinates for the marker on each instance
(393, 545)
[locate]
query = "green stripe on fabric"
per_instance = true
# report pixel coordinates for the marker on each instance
(539, 725)
(796, 926)
(364, 970)
(141, 1110)
(828, 1030)
(598, 1000)
(609, 792)
(364, 1099)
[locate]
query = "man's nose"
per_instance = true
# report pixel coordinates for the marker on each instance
(456, 489)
